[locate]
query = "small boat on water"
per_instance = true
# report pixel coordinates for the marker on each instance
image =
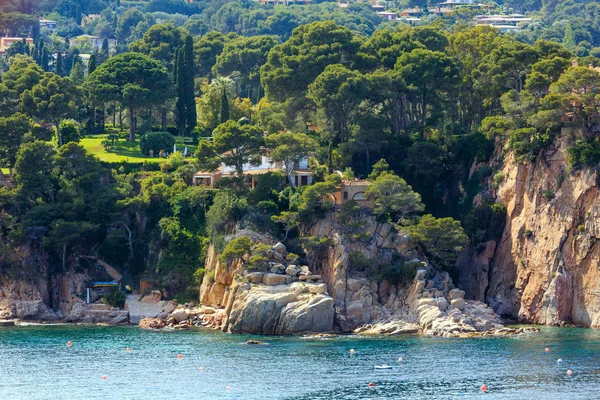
(383, 366)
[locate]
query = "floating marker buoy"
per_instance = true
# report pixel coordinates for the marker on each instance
(371, 384)
(69, 344)
(547, 350)
(559, 361)
(400, 359)
(128, 349)
(104, 377)
(569, 372)
(484, 388)
(201, 368)
(228, 387)
(352, 351)
(179, 356)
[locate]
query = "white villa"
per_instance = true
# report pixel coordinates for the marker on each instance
(302, 175)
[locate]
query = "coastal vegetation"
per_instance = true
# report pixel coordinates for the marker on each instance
(86, 147)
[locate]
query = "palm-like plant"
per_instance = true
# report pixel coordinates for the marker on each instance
(222, 85)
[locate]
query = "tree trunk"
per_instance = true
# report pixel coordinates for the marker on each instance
(164, 119)
(131, 124)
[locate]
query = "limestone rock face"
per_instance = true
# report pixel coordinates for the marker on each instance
(545, 264)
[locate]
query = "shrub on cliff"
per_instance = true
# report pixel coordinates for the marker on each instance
(114, 298)
(442, 239)
(236, 248)
(156, 141)
(394, 196)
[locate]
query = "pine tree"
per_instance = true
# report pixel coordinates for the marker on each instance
(179, 72)
(92, 63)
(190, 98)
(58, 68)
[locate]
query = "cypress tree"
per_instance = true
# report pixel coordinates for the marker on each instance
(44, 59)
(78, 17)
(105, 54)
(75, 60)
(224, 107)
(190, 98)
(179, 71)
(38, 56)
(26, 47)
(58, 69)
(92, 64)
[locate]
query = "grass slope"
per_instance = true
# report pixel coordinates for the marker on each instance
(124, 150)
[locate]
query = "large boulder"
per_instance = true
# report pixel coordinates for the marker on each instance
(180, 314)
(154, 297)
(292, 270)
(34, 310)
(280, 309)
(314, 315)
(279, 248)
(255, 277)
(458, 303)
(273, 279)
(152, 323)
(318, 288)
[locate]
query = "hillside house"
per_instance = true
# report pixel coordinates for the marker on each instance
(48, 24)
(302, 175)
(6, 42)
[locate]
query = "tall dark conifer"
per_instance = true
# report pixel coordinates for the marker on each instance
(92, 63)
(179, 77)
(58, 69)
(190, 98)
(104, 51)
(44, 59)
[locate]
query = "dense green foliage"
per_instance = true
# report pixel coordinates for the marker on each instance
(416, 110)
(114, 298)
(157, 142)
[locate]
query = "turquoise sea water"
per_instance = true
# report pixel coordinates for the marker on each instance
(35, 363)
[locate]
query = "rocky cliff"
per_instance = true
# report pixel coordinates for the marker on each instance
(339, 293)
(544, 269)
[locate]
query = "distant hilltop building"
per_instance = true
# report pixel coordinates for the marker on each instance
(48, 24)
(506, 23)
(91, 43)
(283, 2)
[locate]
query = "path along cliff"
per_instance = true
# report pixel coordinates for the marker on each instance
(544, 269)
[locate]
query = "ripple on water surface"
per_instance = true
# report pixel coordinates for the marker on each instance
(35, 363)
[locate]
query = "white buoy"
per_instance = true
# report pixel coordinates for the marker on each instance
(559, 361)
(352, 352)
(400, 359)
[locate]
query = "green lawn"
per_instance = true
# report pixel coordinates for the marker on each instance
(123, 150)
